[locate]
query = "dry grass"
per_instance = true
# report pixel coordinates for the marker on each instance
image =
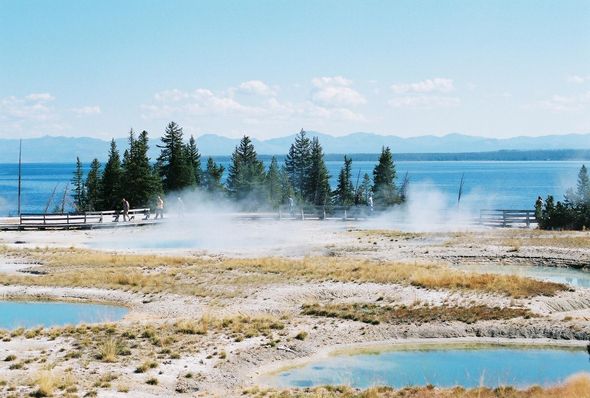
(553, 241)
(577, 386)
(46, 382)
(518, 239)
(388, 234)
(421, 275)
(109, 350)
(225, 277)
(375, 314)
(145, 366)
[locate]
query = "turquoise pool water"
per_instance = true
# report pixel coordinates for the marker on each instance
(14, 314)
(568, 276)
(441, 367)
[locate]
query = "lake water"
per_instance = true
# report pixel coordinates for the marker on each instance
(491, 367)
(30, 314)
(509, 185)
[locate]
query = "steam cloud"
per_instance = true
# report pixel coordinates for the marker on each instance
(216, 225)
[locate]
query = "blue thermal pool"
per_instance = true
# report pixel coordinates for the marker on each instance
(490, 366)
(14, 314)
(568, 276)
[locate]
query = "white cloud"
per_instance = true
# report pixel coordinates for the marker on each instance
(261, 107)
(257, 87)
(40, 97)
(87, 110)
(437, 84)
(330, 81)
(335, 92)
(31, 107)
(170, 95)
(577, 79)
(424, 101)
(562, 103)
(199, 102)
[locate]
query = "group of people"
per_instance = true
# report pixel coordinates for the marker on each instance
(291, 203)
(180, 207)
(125, 207)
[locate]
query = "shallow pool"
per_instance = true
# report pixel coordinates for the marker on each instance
(569, 276)
(14, 314)
(441, 367)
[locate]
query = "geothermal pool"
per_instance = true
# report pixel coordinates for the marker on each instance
(27, 314)
(489, 366)
(568, 276)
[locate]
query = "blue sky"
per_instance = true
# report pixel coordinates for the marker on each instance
(269, 68)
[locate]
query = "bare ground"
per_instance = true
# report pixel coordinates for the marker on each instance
(224, 361)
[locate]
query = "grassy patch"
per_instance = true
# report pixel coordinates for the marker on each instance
(375, 314)
(388, 234)
(226, 277)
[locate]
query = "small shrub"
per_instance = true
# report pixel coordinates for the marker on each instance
(152, 381)
(145, 366)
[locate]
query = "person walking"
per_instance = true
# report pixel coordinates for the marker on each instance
(125, 209)
(180, 206)
(159, 208)
(370, 202)
(291, 206)
(539, 208)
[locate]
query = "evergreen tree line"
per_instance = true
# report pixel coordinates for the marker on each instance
(304, 177)
(572, 213)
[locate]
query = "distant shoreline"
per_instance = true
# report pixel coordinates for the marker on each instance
(502, 155)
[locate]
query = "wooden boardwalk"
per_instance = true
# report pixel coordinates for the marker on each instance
(498, 218)
(89, 220)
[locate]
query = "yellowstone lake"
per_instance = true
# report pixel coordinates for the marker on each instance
(487, 184)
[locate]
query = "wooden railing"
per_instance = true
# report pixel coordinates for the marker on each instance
(507, 218)
(53, 220)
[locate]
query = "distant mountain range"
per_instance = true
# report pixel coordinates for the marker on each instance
(65, 149)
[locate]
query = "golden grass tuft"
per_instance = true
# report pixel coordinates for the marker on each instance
(109, 349)
(46, 382)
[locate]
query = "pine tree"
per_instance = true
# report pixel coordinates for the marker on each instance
(317, 189)
(142, 183)
(286, 186)
(213, 174)
(583, 188)
(246, 172)
(362, 192)
(194, 158)
(273, 184)
(344, 193)
(175, 169)
(298, 163)
(384, 189)
(79, 192)
(93, 187)
(111, 180)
